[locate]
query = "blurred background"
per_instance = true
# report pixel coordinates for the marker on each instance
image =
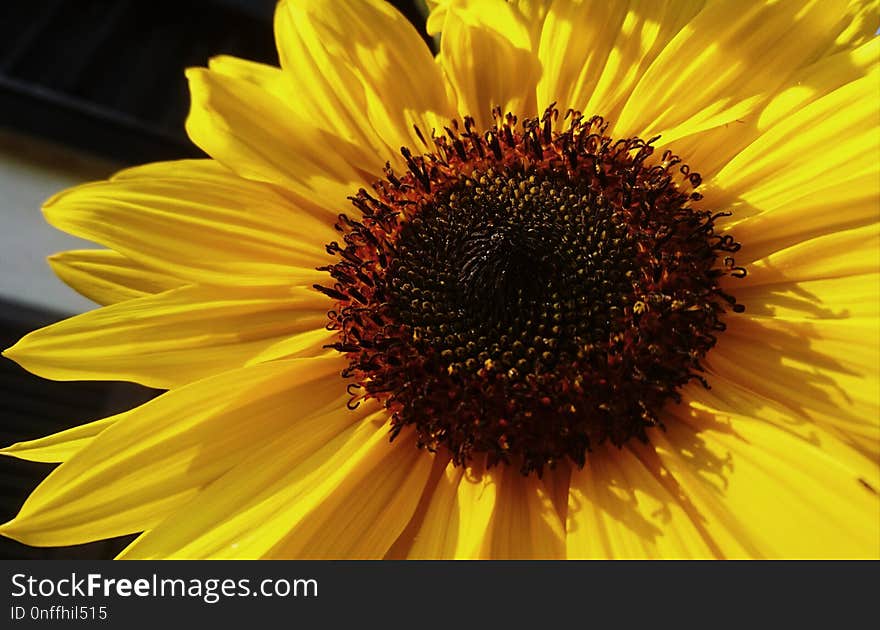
(88, 87)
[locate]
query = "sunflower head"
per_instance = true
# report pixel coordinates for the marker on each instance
(535, 305)
(526, 293)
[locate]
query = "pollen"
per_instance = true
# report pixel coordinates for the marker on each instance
(529, 294)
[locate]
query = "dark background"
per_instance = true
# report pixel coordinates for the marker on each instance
(103, 78)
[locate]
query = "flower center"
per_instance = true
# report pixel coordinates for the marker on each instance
(529, 294)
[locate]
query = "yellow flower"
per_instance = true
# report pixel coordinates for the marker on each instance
(517, 298)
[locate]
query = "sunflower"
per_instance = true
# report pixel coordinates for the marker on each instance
(599, 279)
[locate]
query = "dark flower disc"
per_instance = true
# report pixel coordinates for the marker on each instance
(528, 294)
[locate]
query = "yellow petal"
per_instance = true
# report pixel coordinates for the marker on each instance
(532, 12)
(848, 296)
(169, 339)
(362, 72)
(157, 457)
(107, 277)
(360, 509)
(458, 515)
(621, 507)
(709, 151)
(525, 524)
(255, 134)
(815, 172)
(815, 346)
(760, 491)
(860, 25)
(294, 213)
(486, 51)
(196, 221)
(853, 422)
(350, 499)
(288, 87)
(725, 61)
(821, 79)
(728, 401)
(60, 446)
(835, 255)
(809, 331)
(845, 344)
(270, 78)
(594, 52)
(308, 343)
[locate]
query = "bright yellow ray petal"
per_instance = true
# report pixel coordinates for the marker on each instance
(525, 524)
(814, 342)
(221, 520)
(308, 343)
(359, 511)
(852, 296)
(350, 499)
(860, 25)
(252, 131)
(361, 71)
(486, 52)
(729, 400)
(294, 213)
(849, 415)
(458, 516)
(850, 345)
(783, 184)
(532, 12)
(399, 549)
(60, 446)
(107, 277)
(172, 338)
(821, 79)
(822, 369)
(593, 53)
(270, 78)
(725, 61)
(838, 254)
(815, 345)
(709, 151)
(206, 171)
(197, 221)
(576, 42)
(760, 491)
(157, 457)
(619, 509)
